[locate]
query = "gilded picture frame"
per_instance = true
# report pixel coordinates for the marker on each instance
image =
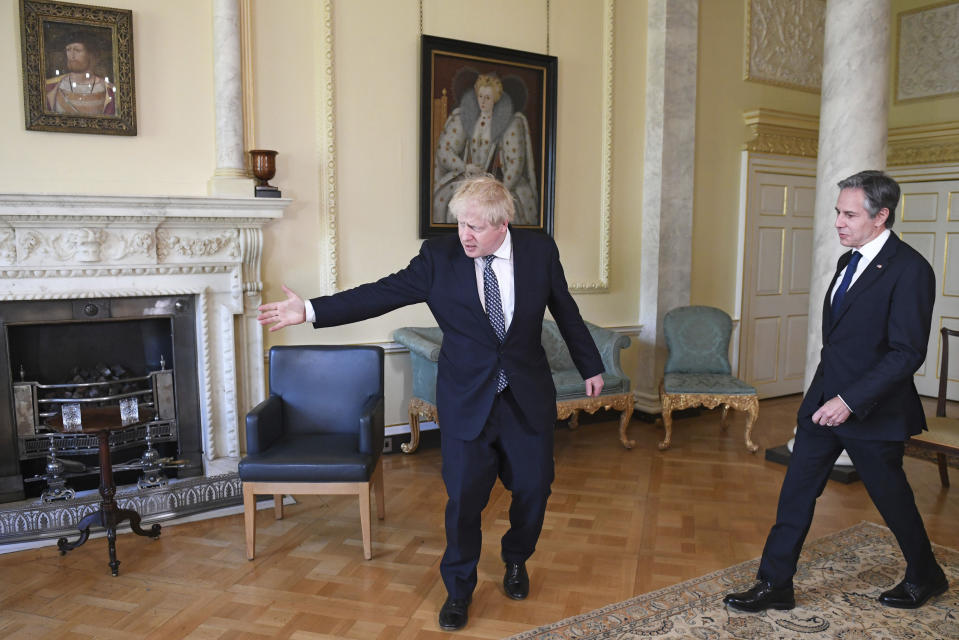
(486, 109)
(77, 68)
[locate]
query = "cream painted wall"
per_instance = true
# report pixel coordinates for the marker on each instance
(376, 97)
(377, 129)
(173, 152)
(722, 97)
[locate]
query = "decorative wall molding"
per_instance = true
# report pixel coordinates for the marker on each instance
(784, 42)
(327, 138)
(601, 285)
(927, 52)
(925, 144)
(781, 132)
(794, 134)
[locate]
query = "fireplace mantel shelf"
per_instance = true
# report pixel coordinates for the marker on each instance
(83, 205)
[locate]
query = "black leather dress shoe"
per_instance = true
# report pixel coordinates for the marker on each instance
(762, 596)
(516, 580)
(908, 595)
(454, 613)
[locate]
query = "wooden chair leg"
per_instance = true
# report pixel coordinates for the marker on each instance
(943, 469)
(365, 524)
(249, 519)
(379, 489)
(278, 506)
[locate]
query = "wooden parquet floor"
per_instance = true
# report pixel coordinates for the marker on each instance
(620, 523)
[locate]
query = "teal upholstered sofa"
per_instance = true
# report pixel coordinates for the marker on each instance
(424, 345)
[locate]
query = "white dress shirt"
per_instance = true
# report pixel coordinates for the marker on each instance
(869, 252)
(503, 268)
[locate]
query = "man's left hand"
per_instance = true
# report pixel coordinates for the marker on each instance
(831, 414)
(594, 385)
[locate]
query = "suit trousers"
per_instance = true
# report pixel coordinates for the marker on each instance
(522, 458)
(879, 464)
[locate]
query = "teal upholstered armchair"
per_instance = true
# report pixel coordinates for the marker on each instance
(424, 345)
(697, 369)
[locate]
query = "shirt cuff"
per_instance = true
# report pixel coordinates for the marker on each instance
(845, 403)
(310, 313)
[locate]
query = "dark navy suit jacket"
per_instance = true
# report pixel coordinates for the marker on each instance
(444, 277)
(874, 344)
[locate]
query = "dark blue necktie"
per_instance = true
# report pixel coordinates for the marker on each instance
(494, 310)
(846, 279)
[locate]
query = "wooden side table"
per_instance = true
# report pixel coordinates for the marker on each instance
(103, 420)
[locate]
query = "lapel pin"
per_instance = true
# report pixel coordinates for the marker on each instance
(879, 266)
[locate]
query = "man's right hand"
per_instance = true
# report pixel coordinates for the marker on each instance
(284, 313)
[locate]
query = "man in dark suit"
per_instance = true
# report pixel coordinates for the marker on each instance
(494, 392)
(862, 398)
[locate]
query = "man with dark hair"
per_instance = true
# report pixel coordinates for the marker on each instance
(488, 290)
(80, 91)
(876, 319)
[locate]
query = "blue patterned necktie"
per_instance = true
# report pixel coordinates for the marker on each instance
(846, 279)
(494, 310)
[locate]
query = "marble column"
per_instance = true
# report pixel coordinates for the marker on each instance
(231, 177)
(853, 128)
(669, 159)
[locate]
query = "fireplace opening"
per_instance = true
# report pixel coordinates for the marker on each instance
(64, 358)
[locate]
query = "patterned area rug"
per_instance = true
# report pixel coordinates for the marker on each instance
(840, 576)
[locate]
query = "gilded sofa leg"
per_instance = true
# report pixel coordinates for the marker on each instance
(410, 447)
(752, 412)
(624, 417)
(723, 422)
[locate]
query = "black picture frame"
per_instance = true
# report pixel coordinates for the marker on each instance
(526, 121)
(77, 68)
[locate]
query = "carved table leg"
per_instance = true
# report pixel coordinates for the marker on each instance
(108, 515)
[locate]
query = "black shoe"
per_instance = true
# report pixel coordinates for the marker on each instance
(908, 595)
(762, 596)
(516, 580)
(454, 613)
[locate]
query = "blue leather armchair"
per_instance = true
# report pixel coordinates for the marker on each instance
(698, 372)
(424, 345)
(319, 432)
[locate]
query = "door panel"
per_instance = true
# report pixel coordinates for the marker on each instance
(777, 269)
(929, 221)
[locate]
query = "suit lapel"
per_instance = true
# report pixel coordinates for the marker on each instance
(520, 269)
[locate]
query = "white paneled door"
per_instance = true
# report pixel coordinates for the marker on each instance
(928, 219)
(776, 273)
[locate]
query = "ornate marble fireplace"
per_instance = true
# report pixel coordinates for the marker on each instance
(94, 248)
